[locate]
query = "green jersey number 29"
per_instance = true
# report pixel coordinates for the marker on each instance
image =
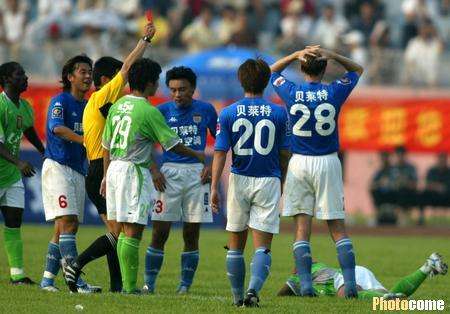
(121, 131)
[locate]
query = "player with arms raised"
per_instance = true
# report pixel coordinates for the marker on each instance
(132, 128)
(183, 182)
(16, 120)
(314, 179)
(255, 130)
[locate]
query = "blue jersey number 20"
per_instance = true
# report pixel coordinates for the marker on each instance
(248, 131)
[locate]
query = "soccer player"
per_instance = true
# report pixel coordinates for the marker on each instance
(183, 182)
(255, 130)
(110, 76)
(63, 170)
(329, 281)
(16, 119)
(132, 127)
(314, 179)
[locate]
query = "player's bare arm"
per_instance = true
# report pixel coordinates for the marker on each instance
(206, 174)
(348, 64)
(283, 63)
(106, 162)
(218, 164)
(186, 151)
(34, 139)
(139, 50)
(158, 178)
(24, 166)
(67, 134)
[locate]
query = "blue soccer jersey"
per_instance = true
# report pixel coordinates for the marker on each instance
(191, 124)
(65, 110)
(313, 111)
(256, 130)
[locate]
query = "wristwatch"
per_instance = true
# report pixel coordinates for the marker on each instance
(147, 39)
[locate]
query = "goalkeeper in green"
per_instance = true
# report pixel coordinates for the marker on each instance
(329, 281)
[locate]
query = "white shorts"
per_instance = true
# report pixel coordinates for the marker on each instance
(129, 192)
(13, 196)
(62, 191)
(314, 187)
(364, 278)
(253, 202)
(185, 197)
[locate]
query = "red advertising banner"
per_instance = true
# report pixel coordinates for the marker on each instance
(372, 119)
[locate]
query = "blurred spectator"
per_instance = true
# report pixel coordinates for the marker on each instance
(200, 34)
(352, 8)
(329, 28)
(443, 21)
(437, 189)
(14, 21)
(226, 25)
(381, 69)
(365, 21)
(243, 34)
(354, 42)
(295, 27)
(422, 56)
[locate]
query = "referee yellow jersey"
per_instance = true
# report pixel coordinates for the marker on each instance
(95, 114)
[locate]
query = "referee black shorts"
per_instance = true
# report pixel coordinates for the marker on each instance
(93, 182)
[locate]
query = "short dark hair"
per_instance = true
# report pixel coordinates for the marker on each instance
(313, 66)
(181, 73)
(105, 66)
(142, 72)
(70, 66)
(6, 70)
(254, 75)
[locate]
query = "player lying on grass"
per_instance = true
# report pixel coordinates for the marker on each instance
(16, 119)
(329, 281)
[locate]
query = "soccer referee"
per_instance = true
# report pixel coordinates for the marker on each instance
(110, 76)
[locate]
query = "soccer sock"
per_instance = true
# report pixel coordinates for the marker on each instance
(52, 265)
(119, 250)
(68, 247)
(115, 276)
(236, 273)
(260, 268)
(369, 294)
(409, 284)
(129, 256)
(189, 263)
(153, 261)
(101, 246)
(14, 251)
(303, 263)
(346, 258)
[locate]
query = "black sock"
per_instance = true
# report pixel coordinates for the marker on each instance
(100, 247)
(114, 271)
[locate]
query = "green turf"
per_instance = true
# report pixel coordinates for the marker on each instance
(388, 257)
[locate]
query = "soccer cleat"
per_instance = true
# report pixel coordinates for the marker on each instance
(22, 281)
(436, 265)
(393, 296)
(71, 275)
(50, 288)
(87, 288)
(251, 299)
(294, 286)
(182, 290)
(146, 290)
(239, 303)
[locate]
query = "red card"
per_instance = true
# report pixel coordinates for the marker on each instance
(149, 15)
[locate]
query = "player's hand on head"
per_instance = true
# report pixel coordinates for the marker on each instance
(206, 174)
(103, 188)
(159, 181)
(311, 51)
(215, 201)
(150, 30)
(26, 168)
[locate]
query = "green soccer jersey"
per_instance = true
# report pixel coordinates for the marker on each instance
(323, 280)
(13, 121)
(132, 127)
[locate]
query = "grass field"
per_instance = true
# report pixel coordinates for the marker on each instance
(388, 257)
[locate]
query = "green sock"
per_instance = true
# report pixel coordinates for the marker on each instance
(369, 294)
(119, 248)
(130, 263)
(14, 251)
(407, 285)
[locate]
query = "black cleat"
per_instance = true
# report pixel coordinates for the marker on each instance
(251, 299)
(239, 303)
(22, 281)
(71, 275)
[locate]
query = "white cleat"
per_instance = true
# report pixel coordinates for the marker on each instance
(87, 288)
(50, 289)
(146, 290)
(437, 265)
(182, 290)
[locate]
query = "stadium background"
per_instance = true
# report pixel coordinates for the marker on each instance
(403, 98)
